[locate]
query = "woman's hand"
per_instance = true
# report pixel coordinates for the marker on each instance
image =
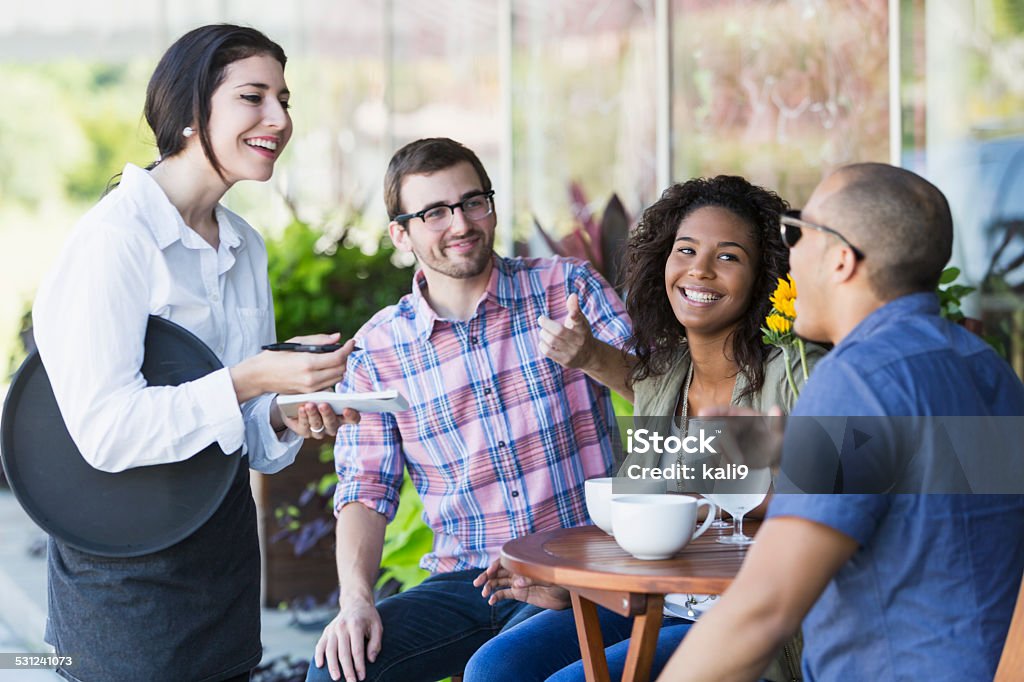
(318, 421)
(288, 372)
(499, 583)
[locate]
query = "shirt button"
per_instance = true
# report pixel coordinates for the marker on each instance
(501, 443)
(473, 339)
(215, 297)
(515, 493)
(487, 391)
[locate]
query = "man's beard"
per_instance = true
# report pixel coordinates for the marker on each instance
(463, 269)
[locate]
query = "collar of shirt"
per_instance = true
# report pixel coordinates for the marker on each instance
(168, 226)
(425, 316)
(923, 303)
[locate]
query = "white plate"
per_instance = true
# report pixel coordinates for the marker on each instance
(379, 401)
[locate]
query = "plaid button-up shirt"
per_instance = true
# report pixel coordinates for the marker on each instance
(498, 439)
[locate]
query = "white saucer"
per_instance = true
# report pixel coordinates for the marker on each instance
(682, 606)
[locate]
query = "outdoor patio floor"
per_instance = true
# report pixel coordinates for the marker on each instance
(23, 600)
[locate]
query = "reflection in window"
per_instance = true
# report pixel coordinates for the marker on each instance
(779, 91)
(583, 107)
(963, 128)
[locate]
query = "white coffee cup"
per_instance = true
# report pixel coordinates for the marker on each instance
(598, 495)
(657, 526)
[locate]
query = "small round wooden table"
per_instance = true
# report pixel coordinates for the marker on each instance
(587, 562)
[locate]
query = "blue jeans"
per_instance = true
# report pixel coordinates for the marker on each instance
(432, 630)
(546, 647)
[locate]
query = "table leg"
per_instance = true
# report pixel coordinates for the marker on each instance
(588, 629)
(644, 641)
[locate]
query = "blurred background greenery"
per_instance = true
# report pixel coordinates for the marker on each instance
(609, 97)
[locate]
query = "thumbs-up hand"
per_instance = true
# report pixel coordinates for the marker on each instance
(569, 343)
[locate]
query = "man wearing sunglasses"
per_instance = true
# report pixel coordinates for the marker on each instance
(507, 418)
(895, 586)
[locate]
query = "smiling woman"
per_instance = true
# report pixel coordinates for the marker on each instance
(161, 244)
(701, 266)
(249, 116)
(711, 269)
(241, 131)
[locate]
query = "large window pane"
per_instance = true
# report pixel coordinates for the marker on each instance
(963, 128)
(779, 92)
(445, 77)
(337, 73)
(583, 93)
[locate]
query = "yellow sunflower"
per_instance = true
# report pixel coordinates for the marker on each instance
(778, 329)
(779, 324)
(784, 298)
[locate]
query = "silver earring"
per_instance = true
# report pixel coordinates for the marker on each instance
(188, 132)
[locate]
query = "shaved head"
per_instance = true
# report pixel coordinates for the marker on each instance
(901, 221)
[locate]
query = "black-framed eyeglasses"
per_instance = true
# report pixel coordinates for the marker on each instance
(439, 218)
(791, 227)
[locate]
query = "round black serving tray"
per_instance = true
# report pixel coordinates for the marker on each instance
(130, 513)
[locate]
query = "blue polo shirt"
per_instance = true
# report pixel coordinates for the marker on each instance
(930, 591)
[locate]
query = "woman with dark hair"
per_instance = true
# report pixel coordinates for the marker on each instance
(161, 244)
(698, 304)
(700, 268)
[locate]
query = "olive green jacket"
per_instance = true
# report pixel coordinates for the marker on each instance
(656, 397)
(659, 395)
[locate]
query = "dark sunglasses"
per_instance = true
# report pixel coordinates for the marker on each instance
(791, 226)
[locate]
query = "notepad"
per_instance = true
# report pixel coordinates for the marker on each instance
(376, 401)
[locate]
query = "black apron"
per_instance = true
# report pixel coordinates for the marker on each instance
(189, 613)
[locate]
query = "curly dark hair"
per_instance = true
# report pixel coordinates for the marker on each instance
(657, 333)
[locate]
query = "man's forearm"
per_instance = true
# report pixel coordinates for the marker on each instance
(360, 543)
(784, 573)
(611, 367)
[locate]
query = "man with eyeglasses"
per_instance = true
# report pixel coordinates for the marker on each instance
(502, 361)
(894, 586)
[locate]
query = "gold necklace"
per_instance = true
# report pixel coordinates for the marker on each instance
(685, 422)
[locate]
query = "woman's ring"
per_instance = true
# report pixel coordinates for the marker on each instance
(320, 430)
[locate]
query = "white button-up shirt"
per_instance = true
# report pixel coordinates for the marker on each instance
(132, 256)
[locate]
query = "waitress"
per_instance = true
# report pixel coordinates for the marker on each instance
(161, 244)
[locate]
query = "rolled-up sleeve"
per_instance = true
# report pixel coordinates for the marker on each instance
(600, 304)
(857, 516)
(368, 455)
(267, 452)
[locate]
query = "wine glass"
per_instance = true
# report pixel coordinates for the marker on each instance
(719, 523)
(738, 497)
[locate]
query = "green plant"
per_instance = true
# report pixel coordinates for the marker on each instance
(25, 343)
(599, 241)
(406, 540)
(407, 537)
(951, 295)
(950, 298)
(332, 286)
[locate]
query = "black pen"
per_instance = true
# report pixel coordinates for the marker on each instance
(303, 347)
